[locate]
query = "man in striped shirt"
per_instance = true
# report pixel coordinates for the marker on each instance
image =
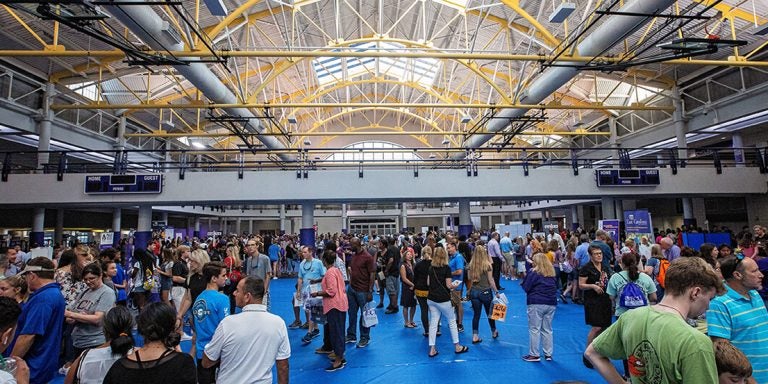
(740, 315)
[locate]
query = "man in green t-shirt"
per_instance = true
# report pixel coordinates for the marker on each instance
(660, 346)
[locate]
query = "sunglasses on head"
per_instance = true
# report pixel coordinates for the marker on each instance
(739, 259)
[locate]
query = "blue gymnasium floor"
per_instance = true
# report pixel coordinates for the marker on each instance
(399, 355)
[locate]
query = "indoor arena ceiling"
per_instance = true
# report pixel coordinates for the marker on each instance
(426, 74)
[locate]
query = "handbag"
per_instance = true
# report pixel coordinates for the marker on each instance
(369, 314)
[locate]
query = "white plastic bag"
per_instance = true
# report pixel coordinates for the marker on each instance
(369, 315)
(499, 309)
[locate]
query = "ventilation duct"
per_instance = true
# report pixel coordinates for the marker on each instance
(148, 26)
(605, 36)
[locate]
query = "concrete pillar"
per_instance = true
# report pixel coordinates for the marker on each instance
(196, 232)
(143, 233)
(238, 229)
(699, 212)
(44, 130)
(613, 138)
(608, 208)
(164, 217)
(117, 214)
(120, 139)
(465, 218)
(167, 157)
(618, 207)
(250, 226)
(688, 217)
(307, 232)
(344, 219)
(37, 236)
(574, 217)
(681, 127)
(58, 232)
(403, 215)
(738, 152)
(282, 219)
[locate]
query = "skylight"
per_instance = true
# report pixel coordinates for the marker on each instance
(374, 151)
(87, 89)
(330, 70)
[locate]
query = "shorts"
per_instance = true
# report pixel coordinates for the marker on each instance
(392, 284)
(521, 266)
(574, 275)
(509, 257)
(165, 283)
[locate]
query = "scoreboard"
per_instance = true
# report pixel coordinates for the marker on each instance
(120, 184)
(627, 177)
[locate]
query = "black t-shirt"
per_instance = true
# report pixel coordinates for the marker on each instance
(392, 254)
(438, 291)
(196, 284)
(420, 275)
(180, 269)
(175, 368)
(594, 277)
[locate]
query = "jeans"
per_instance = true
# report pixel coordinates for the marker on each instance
(540, 328)
(445, 309)
(357, 301)
(335, 325)
(481, 299)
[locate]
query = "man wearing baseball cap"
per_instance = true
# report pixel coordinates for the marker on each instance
(38, 333)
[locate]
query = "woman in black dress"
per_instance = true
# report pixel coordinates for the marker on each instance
(407, 296)
(593, 280)
(156, 362)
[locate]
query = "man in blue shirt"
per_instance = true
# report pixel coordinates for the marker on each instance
(38, 333)
(507, 249)
(311, 271)
(211, 306)
(740, 315)
(274, 257)
(456, 263)
(601, 240)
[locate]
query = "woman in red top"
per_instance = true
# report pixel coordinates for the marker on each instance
(335, 307)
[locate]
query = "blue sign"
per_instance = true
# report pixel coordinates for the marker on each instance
(611, 227)
(637, 222)
(120, 184)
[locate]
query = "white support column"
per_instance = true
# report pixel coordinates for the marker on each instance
(282, 219)
(738, 152)
(307, 236)
(250, 226)
(238, 223)
(403, 215)
(44, 128)
(608, 208)
(681, 127)
(344, 218)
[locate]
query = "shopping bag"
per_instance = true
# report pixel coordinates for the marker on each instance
(369, 315)
(499, 311)
(316, 312)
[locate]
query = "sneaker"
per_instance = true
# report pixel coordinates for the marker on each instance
(381, 305)
(306, 339)
(460, 327)
(314, 333)
(547, 358)
(331, 368)
(531, 359)
(363, 343)
(294, 325)
(63, 371)
(185, 337)
(350, 340)
(305, 325)
(274, 277)
(390, 311)
(323, 351)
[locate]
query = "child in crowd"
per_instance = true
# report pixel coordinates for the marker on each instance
(733, 367)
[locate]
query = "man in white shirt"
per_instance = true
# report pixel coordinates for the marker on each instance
(250, 343)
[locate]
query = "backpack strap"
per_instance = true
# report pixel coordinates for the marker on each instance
(80, 363)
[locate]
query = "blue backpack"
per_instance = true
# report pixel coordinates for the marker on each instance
(632, 296)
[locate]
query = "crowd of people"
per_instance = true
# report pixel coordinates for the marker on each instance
(670, 312)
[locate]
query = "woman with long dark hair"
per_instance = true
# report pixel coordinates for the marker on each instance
(142, 274)
(156, 362)
(93, 364)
